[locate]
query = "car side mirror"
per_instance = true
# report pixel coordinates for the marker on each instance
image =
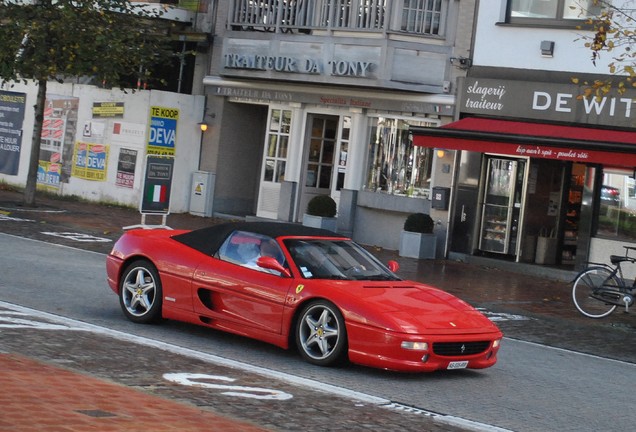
(393, 266)
(272, 263)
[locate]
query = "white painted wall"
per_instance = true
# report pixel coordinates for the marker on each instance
(136, 111)
(518, 47)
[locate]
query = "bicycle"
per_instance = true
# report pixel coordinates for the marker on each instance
(599, 289)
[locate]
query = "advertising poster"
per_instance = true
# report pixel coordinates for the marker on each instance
(11, 119)
(126, 168)
(94, 129)
(90, 161)
(49, 174)
(163, 131)
(130, 134)
(108, 109)
(56, 144)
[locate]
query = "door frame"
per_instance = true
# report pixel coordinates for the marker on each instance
(305, 193)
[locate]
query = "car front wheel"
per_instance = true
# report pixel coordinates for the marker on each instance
(140, 292)
(321, 335)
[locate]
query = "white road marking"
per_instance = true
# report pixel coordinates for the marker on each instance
(201, 380)
(6, 217)
(14, 319)
(80, 237)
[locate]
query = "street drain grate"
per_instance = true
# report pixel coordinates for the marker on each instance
(96, 413)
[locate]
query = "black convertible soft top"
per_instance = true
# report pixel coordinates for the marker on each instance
(208, 240)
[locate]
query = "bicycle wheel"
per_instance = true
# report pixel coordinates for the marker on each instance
(586, 283)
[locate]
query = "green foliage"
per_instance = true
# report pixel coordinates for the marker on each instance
(419, 223)
(612, 33)
(322, 205)
(104, 39)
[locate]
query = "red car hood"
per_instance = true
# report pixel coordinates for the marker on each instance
(414, 308)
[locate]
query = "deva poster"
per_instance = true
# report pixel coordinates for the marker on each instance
(162, 135)
(90, 161)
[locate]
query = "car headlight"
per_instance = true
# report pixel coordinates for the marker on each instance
(496, 343)
(415, 346)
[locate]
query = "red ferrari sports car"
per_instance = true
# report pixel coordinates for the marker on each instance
(290, 285)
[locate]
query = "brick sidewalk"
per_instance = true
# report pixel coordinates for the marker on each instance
(39, 397)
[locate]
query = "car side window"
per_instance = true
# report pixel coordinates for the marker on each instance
(245, 248)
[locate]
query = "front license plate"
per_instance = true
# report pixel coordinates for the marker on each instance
(457, 365)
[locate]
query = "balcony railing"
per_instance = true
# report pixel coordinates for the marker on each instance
(303, 16)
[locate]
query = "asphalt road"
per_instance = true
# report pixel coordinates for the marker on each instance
(532, 388)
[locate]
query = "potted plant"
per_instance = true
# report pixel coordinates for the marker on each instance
(417, 239)
(321, 213)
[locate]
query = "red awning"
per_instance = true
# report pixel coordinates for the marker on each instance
(548, 141)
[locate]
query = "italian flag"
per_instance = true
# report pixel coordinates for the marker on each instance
(157, 193)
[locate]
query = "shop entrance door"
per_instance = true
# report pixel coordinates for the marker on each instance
(501, 208)
(318, 162)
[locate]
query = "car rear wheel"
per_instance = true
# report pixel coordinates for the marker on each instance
(321, 335)
(140, 292)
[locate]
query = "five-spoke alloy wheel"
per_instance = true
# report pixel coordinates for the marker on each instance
(140, 292)
(321, 335)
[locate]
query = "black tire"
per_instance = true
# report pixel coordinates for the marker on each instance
(321, 336)
(140, 292)
(584, 286)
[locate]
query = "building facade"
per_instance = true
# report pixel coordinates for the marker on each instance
(317, 97)
(542, 173)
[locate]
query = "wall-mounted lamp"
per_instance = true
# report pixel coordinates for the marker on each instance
(547, 48)
(461, 62)
(440, 153)
(204, 124)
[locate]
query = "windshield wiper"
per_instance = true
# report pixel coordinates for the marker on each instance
(378, 278)
(334, 277)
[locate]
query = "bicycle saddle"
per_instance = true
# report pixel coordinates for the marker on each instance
(615, 259)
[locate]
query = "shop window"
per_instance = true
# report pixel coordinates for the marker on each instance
(617, 206)
(277, 145)
(552, 12)
(395, 166)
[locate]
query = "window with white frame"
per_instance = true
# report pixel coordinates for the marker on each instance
(394, 165)
(345, 137)
(552, 12)
(277, 145)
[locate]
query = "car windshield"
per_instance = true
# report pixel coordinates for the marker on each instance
(336, 259)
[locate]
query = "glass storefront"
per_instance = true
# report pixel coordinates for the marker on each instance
(617, 206)
(394, 165)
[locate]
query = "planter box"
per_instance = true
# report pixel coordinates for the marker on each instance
(328, 223)
(418, 245)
